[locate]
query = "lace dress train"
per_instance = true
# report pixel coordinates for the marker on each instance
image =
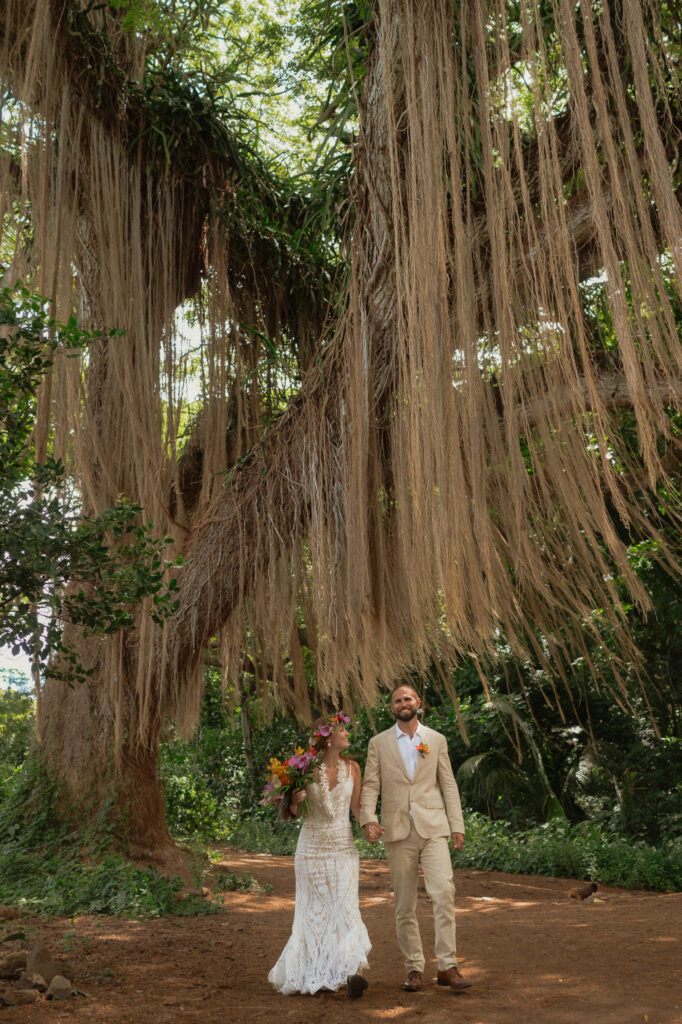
(328, 941)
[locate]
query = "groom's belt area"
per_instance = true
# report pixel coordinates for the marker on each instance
(430, 803)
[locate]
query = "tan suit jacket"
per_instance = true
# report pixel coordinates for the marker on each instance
(432, 795)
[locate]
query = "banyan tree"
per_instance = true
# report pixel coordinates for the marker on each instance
(462, 456)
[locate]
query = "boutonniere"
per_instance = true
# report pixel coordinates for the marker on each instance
(422, 749)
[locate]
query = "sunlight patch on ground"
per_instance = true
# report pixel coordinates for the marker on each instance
(240, 901)
(393, 1013)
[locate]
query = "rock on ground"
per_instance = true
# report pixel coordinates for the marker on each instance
(32, 980)
(12, 964)
(40, 962)
(19, 996)
(59, 988)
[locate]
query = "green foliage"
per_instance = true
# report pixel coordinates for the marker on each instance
(233, 882)
(260, 835)
(16, 717)
(270, 835)
(244, 88)
(282, 75)
(46, 868)
(556, 848)
(62, 885)
(205, 779)
(368, 851)
(27, 818)
(572, 851)
(57, 564)
(191, 808)
(16, 726)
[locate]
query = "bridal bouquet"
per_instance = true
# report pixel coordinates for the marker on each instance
(299, 769)
(286, 776)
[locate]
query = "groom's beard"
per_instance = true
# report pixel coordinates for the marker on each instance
(406, 715)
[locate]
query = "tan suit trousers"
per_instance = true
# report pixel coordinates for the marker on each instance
(404, 857)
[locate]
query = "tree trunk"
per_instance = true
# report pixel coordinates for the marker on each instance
(89, 752)
(83, 727)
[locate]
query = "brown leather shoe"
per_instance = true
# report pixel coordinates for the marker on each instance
(413, 982)
(453, 979)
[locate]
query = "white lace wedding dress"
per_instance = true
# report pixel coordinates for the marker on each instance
(328, 941)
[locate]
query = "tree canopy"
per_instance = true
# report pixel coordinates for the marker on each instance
(406, 388)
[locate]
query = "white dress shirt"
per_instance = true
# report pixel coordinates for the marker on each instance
(408, 749)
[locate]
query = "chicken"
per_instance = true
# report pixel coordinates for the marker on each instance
(581, 892)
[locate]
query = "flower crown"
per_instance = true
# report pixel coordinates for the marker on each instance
(325, 730)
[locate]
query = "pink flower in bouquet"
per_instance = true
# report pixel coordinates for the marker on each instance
(286, 776)
(271, 792)
(301, 762)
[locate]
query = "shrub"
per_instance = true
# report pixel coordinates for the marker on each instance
(48, 868)
(259, 835)
(233, 882)
(191, 808)
(574, 851)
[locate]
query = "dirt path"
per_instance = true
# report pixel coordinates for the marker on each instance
(534, 957)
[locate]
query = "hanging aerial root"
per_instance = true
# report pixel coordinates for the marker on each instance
(451, 474)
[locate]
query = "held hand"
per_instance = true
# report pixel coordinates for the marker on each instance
(297, 797)
(370, 834)
(373, 831)
(457, 840)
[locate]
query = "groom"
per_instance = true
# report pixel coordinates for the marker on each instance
(409, 765)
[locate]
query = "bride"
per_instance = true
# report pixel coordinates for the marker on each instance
(329, 943)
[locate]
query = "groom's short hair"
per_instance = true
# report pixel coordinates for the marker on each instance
(408, 686)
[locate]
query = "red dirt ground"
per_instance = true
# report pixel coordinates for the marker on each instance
(534, 955)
